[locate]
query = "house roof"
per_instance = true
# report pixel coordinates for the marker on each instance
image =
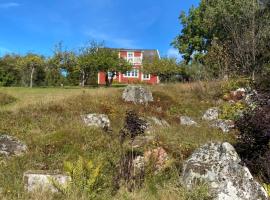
(148, 54)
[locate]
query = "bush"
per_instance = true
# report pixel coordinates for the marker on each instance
(253, 142)
(84, 178)
(232, 111)
(235, 84)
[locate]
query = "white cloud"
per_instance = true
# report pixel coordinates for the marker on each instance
(9, 5)
(107, 38)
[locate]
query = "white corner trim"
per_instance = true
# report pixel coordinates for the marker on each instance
(98, 79)
(158, 54)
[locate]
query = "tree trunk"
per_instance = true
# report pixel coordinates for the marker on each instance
(31, 77)
(83, 79)
(107, 80)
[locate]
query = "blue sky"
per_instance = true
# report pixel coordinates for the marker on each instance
(37, 25)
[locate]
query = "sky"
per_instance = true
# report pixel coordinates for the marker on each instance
(37, 25)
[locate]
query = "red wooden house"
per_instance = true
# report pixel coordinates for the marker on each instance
(135, 57)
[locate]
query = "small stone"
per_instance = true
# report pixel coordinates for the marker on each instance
(224, 125)
(98, 120)
(211, 114)
(43, 180)
(184, 120)
(137, 95)
(158, 121)
(10, 146)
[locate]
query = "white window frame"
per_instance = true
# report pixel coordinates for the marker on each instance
(149, 76)
(130, 57)
(128, 74)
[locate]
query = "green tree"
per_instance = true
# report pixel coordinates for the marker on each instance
(32, 68)
(108, 61)
(96, 58)
(229, 36)
(9, 70)
(165, 67)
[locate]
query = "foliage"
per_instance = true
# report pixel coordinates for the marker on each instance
(165, 68)
(134, 126)
(267, 188)
(108, 61)
(234, 84)
(32, 69)
(228, 37)
(9, 70)
(232, 111)
(253, 141)
(84, 177)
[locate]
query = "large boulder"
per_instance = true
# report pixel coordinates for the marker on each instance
(218, 165)
(10, 146)
(97, 120)
(211, 114)
(44, 180)
(137, 95)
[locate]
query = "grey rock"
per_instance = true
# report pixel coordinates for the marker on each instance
(218, 165)
(98, 120)
(211, 114)
(137, 95)
(43, 180)
(10, 146)
(138, 163)
(184, 120)
(251, 99)
(224, 125)
(158, 121)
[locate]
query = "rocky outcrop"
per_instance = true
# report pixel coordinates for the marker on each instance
(43, 180)
(211, 114)
(97, 120)
(218, 165)
(137, 95)
(184, 120)
(10, 146)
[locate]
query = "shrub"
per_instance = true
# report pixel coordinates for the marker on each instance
(84, 178)
(232, 111)
(234, 84)
(253, 142)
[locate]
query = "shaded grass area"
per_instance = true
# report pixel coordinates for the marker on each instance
(49, 122)
(6, 99)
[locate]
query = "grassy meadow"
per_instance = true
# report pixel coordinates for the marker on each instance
(49, 121)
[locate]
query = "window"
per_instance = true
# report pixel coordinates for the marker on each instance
(146, 77)
(137, 60)
(111, 75)
(132, 74)
(130, 57)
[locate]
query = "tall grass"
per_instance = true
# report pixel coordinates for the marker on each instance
(49, 122)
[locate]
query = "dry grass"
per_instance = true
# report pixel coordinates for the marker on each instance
(49, 122)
